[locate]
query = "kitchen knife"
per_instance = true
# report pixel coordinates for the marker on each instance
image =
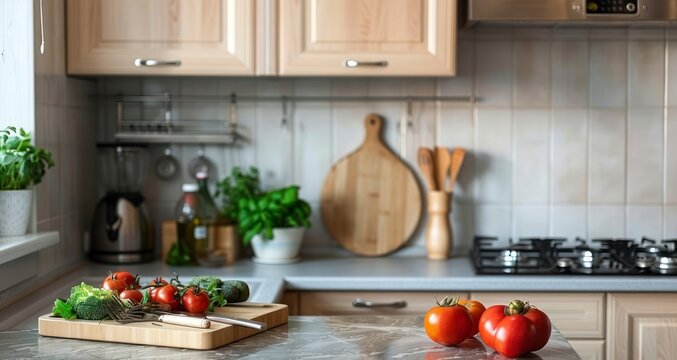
(225, 319)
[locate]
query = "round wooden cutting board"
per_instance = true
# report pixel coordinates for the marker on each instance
(371, 201)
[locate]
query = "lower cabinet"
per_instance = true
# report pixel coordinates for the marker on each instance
(642, 326)
(369, 303)
(618, 326)
(580, 317)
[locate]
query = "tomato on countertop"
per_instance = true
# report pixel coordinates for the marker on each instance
(515, 329)
(476, 310)
(448, 323)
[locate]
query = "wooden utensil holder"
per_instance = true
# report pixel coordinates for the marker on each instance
(438, 235)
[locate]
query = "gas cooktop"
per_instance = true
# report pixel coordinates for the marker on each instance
(557, 256)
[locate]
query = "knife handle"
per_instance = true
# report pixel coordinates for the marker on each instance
(200, 323)
(237, 321)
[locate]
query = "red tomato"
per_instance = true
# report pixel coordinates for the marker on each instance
(131, 281)
(488, 322)
(168, 294)
(543, 327)
(515, 329)
(152, 291)
(132, 294)
(448, 323)
(113, 284)
(195, 302)
(476, 310)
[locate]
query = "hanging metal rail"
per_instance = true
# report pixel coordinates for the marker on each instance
(164, 129)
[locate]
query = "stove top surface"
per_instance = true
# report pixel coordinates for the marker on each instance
(559, 256)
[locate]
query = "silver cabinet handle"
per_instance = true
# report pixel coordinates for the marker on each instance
(151, 62)
(359, 303)
(351, 63)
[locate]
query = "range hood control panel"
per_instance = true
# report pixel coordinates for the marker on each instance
(611, 7)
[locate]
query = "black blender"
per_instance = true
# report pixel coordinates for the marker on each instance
(121, 229)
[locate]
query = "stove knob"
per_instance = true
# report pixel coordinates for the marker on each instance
(631, 7)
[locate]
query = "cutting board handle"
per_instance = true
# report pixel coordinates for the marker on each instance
(373, 124)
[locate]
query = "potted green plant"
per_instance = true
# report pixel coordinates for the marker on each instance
(274, 222)
(22, 166)
(240, 184)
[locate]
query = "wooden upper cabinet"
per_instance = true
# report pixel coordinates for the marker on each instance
(375, 37)
(116, 37)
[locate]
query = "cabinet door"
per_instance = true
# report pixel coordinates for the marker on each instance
(182, 37)
(342, 303)
(642, 326)
(377, 37)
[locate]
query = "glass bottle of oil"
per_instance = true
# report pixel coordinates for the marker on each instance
(208, 214)
(187, 226)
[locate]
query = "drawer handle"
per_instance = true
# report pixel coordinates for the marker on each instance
(152, 62)
(359, 303)
(351, 63)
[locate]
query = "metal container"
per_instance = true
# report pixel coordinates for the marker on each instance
(121, 230)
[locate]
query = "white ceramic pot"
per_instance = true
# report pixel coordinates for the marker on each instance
(15, 211)
(282, 248)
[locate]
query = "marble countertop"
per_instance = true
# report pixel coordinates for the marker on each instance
(317, 337)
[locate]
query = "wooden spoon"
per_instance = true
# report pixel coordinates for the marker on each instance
(456, 163)
(426, 165)
(442, 164)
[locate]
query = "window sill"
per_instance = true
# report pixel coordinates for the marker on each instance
(14, 247)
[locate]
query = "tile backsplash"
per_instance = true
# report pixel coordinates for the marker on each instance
(574, 132)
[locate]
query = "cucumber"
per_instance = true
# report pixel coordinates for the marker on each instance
(235, 291)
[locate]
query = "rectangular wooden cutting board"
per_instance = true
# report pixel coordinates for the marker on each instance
(160, 334)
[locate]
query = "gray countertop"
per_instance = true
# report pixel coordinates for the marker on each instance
(325, 272)
(332, 272)
(321, 337)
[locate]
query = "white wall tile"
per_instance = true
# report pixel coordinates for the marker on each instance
(672, 72)
(570, 221)
(644, 221)
(493, 220)
(670, 222)
(646, 63)
(313, 148)
(608, 73)
(493, 157)
(606, 221)
(531, 161)
(607, 156)
(463, 227)
(348, 128)
(570, 73)
(645, 156)
(456, 129)
(569, 156)
(462, 83)
(530, 221)
(532, 73)
(317, 234)
(493, 64)
(671, 157)
(274, 151)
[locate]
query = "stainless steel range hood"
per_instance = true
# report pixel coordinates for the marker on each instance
(583, 12)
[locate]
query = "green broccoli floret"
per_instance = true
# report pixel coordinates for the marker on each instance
(90, 303)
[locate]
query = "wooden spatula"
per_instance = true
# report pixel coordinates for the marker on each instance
(442, 164)
(427, 165)
(456, 163)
